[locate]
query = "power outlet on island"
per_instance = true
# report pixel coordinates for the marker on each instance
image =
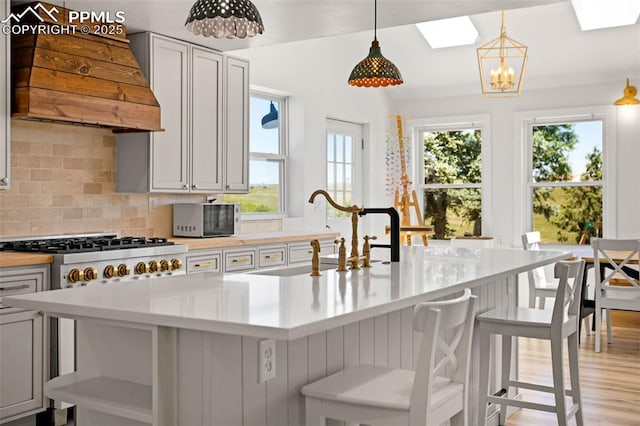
(266, 360)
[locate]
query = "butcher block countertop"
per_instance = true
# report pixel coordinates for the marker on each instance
(22, 259)
(253, 239)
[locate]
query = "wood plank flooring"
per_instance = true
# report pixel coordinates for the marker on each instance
(610, 380)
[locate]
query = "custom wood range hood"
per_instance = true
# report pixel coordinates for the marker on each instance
(79, 73)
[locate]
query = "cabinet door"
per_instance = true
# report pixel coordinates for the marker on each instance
(169, 82)
(5, 110)
(21, 364)
(206, 120)
(237, 125)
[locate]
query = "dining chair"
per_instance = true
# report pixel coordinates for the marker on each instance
(556, 325)
(438, 389)
(617, 284)
(539, 286)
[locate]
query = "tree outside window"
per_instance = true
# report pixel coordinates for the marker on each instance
(452, 182)
(566, 181)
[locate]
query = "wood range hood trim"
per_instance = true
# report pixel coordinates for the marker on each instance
(91, 80)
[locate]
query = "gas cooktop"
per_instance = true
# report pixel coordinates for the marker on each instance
(83, 244)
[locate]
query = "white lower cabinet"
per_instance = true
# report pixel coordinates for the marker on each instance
(21, 365)
(250, 258)
(22, 346)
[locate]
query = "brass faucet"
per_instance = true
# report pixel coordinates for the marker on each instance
(354, 258)
(315, 258)
(366, 251)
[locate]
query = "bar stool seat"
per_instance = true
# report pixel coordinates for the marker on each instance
(437, 391)
(557, 325)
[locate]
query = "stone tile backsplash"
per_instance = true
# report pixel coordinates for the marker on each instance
(63, 181)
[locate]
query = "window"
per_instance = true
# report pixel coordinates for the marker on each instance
(452, 180)
(566, 179)
(343, 150)
(267, 157)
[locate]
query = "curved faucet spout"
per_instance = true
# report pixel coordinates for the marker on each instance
(354, 210)
(351, 209)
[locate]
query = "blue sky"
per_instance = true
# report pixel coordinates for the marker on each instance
(589, 135)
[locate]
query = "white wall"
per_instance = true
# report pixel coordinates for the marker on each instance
(314, 74)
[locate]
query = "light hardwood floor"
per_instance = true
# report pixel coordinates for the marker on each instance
(610, 380)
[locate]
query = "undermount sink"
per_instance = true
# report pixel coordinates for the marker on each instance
(293, 270)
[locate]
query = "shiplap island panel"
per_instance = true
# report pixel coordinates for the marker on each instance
(196, 349)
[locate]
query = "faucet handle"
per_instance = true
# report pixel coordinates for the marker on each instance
(342, 255)
(366, 251)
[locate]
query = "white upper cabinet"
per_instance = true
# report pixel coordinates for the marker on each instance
(237, 125)
(189, 82)
(5, 108)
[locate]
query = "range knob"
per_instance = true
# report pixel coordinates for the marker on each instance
(176, 263)
(141, 268)
(75, 275)
(109, 271)
(153, 266)
(165, 265)
(123, 270)
(90, 274)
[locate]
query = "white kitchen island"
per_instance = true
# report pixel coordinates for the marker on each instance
(185, 350)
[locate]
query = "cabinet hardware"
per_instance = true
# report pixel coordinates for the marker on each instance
(4, 181)
(15, 287)
(204, 265)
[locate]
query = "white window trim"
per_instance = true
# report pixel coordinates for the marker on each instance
(523, 121)
(283, 116)
(480, 121)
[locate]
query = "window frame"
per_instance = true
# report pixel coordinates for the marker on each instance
(524, 123)
(357, 146)
(280, 158)
(481, 121)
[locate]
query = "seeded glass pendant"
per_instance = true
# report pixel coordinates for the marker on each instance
(224, 19)
(375, 70)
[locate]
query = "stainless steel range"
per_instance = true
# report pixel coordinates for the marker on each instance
(104, 258)
(96, 259)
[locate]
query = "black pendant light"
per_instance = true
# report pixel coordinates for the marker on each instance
(375, 70)
(224, 19)
(270, 120)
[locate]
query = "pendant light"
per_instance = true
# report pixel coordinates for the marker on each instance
(375, 70)
(270, 120)
(224, 19)
(502, 63)
(629, 97)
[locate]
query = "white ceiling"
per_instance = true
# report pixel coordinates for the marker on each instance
(560, 53)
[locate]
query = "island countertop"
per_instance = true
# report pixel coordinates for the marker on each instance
(288, 307)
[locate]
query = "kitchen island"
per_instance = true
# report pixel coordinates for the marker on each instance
(186, 350)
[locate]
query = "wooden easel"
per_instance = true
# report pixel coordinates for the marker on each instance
(405, 201)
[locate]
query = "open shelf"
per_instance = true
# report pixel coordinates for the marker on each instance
(104, 394)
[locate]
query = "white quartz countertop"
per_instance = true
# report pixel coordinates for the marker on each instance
(288, 307)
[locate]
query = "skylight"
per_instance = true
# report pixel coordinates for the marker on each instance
(449, 32)
(595, 14)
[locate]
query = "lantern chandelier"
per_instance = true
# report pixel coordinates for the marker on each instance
(502, 63)
(224, 19)
(375, 70)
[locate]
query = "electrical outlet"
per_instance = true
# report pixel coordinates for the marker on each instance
(266, 360)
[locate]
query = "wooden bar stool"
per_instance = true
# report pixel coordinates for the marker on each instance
(438, 389)
(556, 326)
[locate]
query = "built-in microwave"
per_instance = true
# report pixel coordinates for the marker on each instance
(205, 220)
